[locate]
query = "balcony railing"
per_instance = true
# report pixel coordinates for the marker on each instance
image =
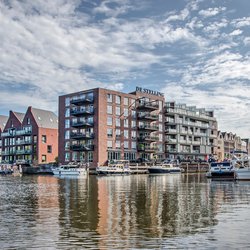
(147, 149)
(82, 124)
(148, 138)
(23, 142)
(148, 105)
(82, 136)
(82, 147)
(82, 100)
(148, 116)
(148, 127)
(24, 152)
(82, 111)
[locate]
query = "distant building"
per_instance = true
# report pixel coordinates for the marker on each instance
(31, 137)
(99, 125)
(228, 142)
(3, 120)
(190, 133)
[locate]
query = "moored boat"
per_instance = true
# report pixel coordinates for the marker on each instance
(164, 168)
(221, 170)
(116, 167)
(70, 170)
(241, 164)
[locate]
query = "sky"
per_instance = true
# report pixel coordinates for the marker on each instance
(194, 51)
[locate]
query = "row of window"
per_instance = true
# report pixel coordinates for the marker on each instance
(117, 144)
(87, 157)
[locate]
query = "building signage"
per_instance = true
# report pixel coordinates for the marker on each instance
(148, 91)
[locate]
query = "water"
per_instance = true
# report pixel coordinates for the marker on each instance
(123, 212)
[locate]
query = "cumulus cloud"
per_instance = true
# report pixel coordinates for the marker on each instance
(211, 11)
(236, 32)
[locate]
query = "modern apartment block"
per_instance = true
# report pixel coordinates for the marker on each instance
(3, 121)
(98, 125)
(190, 133)
(31, 137)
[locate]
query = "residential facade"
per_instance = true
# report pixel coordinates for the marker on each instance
(228, 142)
(3, 121)
(30, 137)
(190, 133)
(99, 125)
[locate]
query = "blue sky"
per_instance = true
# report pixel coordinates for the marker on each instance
(196, 52)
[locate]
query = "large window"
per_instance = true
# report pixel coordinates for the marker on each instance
(117, 99)
(109, 121)
(118, 144)
(125, 113)
(125, 134)
(109, 98)
(67, 156)
(109, 144)
(49, 149)
(125, 144)
(109, 110)
(125, 123)
(67, 112)
(125, 101)
(117, 122)
(44, 158)
(67, 123)
(118, 111)
(44, 139)
(133, 145)
(110, 132)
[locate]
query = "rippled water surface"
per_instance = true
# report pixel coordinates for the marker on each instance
(123, 212)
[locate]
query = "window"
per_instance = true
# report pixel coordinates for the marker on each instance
(109, 98)
(44, 159)
(109, 121)
(132, 101)
(125, 101)
(117, 99)
(117, 133)
(110, 132)
(133, 145)
(117, 122)
(133, 124)
(160, 137)
(67, 123)
(28, 121)
(133, 134)
(67, 134)
(67, 112)
(109, 110)
(125, 144)
(44, 139)
(160, 127)
(109, 144)
(125, 113)
(133, 114)
(67, 155)
(160, 118)
(67, 145)
(117, 110)
(125, 134)
(67, 101)
(49, 149)
(125, 123)
(90, 156)
(118, 144)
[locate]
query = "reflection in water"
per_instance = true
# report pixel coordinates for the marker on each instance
(123, 212)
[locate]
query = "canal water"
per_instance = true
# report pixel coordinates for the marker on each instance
(175, 211)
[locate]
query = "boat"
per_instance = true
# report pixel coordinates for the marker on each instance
(164, 168)
(221, 170)
(241, 163)
(71, 169)
(116, 167)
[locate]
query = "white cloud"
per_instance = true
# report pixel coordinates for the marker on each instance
(211, 11)
(247, 41)
(241, 22)
(236, 32)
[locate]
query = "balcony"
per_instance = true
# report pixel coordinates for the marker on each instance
(23, 132)
(148, 138)
(148, 127)
(148, 116)
(24, 152)
(171, 131)
(148, 106)
(171, 141)
(82, 111)
(79, 136)
(82, 147)
(82, 101)
(82, 124)
(147, 149)
(23, 142)
(8, 153)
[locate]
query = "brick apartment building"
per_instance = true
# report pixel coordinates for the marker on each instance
(3, 121)
(98, 125)
(31, 137)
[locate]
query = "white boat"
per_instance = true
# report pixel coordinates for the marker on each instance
(241, 163)
(70, 170)
(221, 170)
(115, 167)
(164, 168)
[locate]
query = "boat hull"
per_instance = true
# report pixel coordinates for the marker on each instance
(153, 170)
(69, 173)
(243, 174)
